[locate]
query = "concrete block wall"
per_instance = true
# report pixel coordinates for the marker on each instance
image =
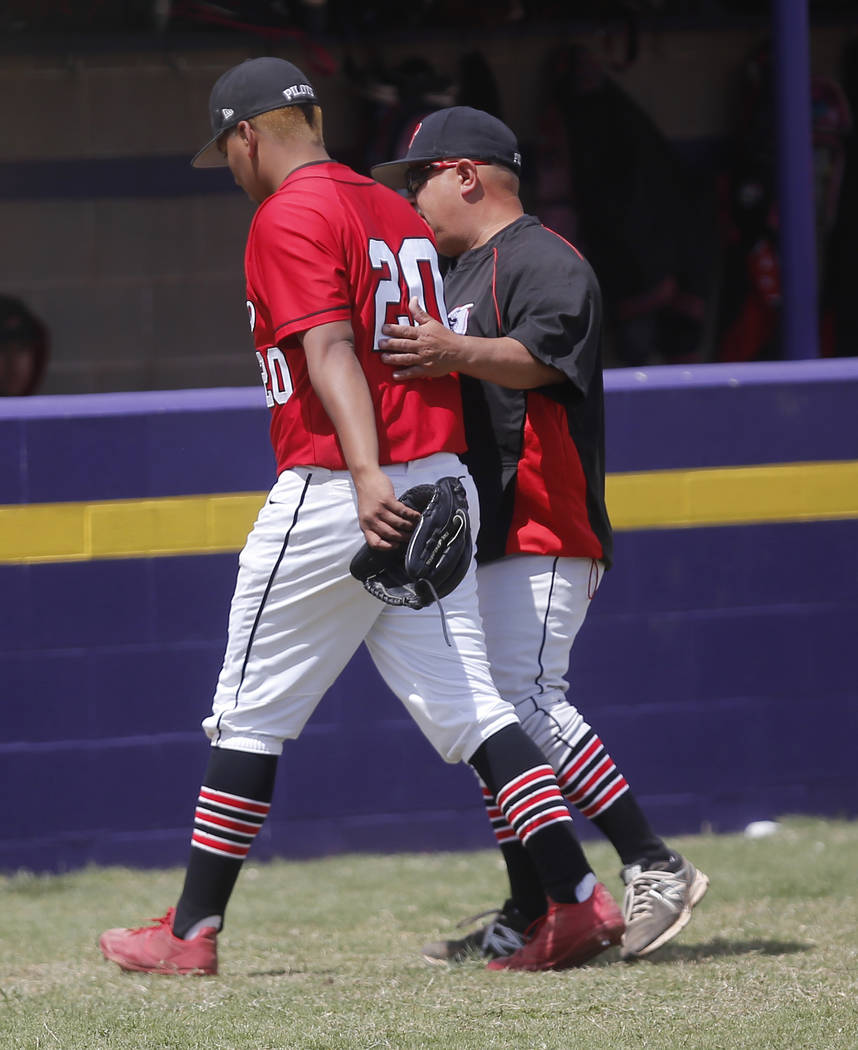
(139, 279)
(716, 661)
(134, 261)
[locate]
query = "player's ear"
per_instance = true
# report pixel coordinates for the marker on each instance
(247, 135)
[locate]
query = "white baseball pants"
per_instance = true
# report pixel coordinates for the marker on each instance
(532, 607)
(298, 615)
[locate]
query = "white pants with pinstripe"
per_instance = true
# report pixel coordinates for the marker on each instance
(297, 617)
(532, 608)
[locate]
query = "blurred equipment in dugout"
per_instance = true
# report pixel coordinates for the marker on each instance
(23, 349)
(641, 216)
(750, 296)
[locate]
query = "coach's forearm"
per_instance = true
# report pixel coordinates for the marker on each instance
(504, 361)
(428, 350)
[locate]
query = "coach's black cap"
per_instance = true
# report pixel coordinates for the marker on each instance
(458, 131)
(253, 87)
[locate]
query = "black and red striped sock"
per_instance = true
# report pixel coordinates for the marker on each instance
(589, 778)
(516, 774)
(232, 806)
(525, 889)
(592, 783)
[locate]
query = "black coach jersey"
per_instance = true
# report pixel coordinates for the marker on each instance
(537, 456)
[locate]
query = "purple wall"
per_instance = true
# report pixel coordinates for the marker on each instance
(716, 662)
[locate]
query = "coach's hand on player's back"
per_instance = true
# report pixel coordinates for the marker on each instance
(385, 522)
(423, 350)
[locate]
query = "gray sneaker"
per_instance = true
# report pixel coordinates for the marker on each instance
(496, 940)
(658, 903)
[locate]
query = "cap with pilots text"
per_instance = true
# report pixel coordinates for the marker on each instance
(248, 89)
(458, 131)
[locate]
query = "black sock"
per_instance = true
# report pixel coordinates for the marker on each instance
(552, 846)
(232, 806)
(560, 861)
(628, 830)
(525, 889)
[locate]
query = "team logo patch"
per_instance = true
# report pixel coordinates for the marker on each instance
(458, 318)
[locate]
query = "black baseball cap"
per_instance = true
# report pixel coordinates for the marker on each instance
(248, 89)
(458, 131)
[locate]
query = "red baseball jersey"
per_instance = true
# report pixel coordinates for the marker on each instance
(332, 245)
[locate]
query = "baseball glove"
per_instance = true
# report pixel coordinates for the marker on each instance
(436, 557)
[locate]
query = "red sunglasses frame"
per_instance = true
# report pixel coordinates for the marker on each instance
(416, 177)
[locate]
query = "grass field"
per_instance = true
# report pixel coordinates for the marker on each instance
(325, 955)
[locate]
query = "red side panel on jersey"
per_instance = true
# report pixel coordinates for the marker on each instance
(556, 524)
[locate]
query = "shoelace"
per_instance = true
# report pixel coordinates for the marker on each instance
(501, 939)
(498, 937)
(462, 923)
(162, 920)
(645, 888)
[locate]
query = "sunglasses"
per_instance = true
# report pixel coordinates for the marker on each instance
(415, 177)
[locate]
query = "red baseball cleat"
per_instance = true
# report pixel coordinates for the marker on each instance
(568, 935)
(155, 949)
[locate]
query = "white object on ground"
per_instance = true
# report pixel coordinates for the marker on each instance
(760, 829)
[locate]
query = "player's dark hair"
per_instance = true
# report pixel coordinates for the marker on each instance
(310, 111)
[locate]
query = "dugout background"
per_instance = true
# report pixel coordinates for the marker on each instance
(134, 261)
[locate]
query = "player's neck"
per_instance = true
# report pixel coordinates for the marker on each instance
(284, 161)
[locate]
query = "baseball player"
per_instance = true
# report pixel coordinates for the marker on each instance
(526, 317)
(331, 257)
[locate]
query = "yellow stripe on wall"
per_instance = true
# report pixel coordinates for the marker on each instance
(660, 499)
(781, 492)
(48, 532)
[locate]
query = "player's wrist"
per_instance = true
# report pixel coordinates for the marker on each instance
(365, 472)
